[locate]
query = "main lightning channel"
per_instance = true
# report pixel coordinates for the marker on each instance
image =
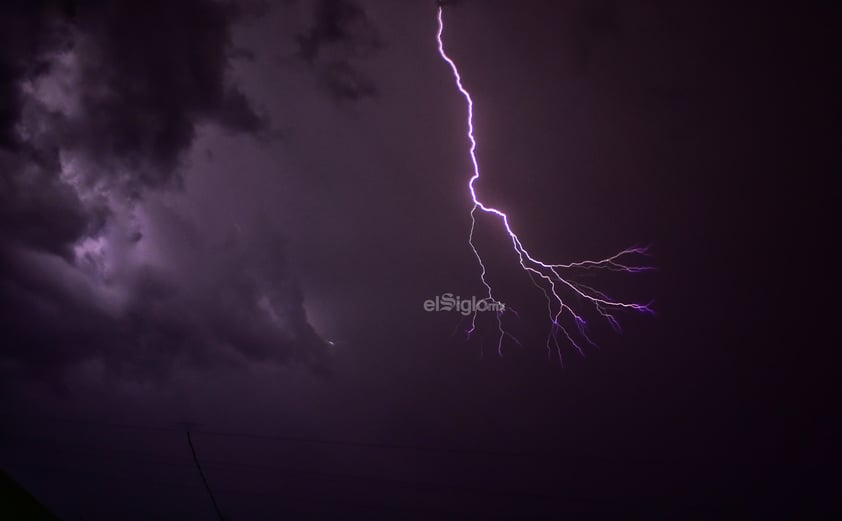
(550, 274)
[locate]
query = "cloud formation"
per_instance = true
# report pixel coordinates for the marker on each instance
(339, 34)
(99, 103)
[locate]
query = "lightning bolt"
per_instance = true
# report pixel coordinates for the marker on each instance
(553, 280)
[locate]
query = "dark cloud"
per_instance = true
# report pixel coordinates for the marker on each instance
(340, 33)
(145, 103)
(122, 85)
(24, 34)
(99, 103)
(236, 306)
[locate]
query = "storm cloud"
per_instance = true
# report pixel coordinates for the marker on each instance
(100, 102)
(339, 34)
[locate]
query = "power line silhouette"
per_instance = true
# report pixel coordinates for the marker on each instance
(204, 478)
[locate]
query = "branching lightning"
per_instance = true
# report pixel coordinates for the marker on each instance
(553, 280)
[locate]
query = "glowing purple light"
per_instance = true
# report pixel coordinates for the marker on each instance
(549, 273)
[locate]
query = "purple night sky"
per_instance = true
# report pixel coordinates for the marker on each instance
(225, 217)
